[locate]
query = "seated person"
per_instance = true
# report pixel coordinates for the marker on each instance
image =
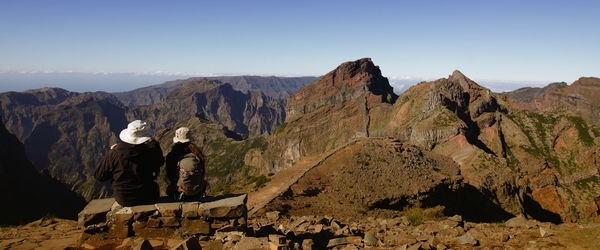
(185, 168)
(132, 165)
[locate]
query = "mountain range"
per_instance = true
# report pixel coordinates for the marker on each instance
(532, 151)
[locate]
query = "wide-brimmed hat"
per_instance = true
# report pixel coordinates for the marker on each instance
(181, 135)
(137, 132)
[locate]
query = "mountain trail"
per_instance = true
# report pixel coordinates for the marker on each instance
(282, 180)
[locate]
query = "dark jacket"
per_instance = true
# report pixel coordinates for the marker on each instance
(132, 169)
(173, 157)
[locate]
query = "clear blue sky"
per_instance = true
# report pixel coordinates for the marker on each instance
(488, 41)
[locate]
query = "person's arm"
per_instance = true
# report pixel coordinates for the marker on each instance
(103, 171)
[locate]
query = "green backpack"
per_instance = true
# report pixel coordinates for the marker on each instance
(191, 176)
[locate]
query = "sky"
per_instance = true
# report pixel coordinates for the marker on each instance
(506, 43)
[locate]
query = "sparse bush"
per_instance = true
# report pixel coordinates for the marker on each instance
(414, 216)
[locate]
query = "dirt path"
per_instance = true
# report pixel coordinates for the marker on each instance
(282, 180)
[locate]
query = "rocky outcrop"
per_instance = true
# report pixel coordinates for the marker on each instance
(252, 113)
(582, 97)
(272, 86)
(330, 112)
(23, 188)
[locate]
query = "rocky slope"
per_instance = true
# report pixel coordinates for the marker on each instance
(272, 86)
(542, 164)
(26, 194)
(377, 177)
(582, 97)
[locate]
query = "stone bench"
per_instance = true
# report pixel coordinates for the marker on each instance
(203, 217)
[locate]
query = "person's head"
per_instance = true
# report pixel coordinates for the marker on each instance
(137, 132)
(181, 135)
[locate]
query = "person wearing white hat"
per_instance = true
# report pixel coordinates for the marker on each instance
(132, 165)
(185, 167)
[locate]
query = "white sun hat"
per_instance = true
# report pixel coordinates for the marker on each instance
(136, 133)
(181, 135)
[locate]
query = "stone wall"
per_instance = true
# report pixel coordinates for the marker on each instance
(203, 217)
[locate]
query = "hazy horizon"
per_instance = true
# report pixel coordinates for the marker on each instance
(122, 82)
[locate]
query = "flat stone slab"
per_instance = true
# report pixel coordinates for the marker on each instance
(230, 207)
(172, 209)
(95, 212)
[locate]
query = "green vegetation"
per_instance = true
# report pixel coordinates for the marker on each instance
(280, 128)
(582, 130)
(230, 155)
(536, 148)
(445, 119)
(416, 215)
(588, 183)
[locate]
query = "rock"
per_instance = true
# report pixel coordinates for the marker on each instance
(153, 222)
(336, 242)
(169, 221)
(169, 209)
(441, 247)
(251, 243)
(138, 225)
(188, 244)
(141, 213)
(156, 243)
(87, 246)
(544, 232)
(350, 247)
(278, 239)
(518, 221)
(189, 209)
(273, 215)
(370, 239)
(355, 240)
(468, 239)
(195, 226)
(141, 244)
(232, 207)
(95, 212)
(307, 244)
(123, 215)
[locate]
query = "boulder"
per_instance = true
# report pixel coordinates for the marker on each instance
(231, 207)
(95, 212)
(468, 239)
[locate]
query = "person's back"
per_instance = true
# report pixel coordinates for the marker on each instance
(132, 165)
(185, 167)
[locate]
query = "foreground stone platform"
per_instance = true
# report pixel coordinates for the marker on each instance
(202, 217)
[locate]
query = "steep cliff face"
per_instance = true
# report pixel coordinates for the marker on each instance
(252, 113)
(21, 110)
(272, 86)
(69, 141)
(329, 112)
(26, 194)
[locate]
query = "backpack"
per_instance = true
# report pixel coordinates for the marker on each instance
(191, 175)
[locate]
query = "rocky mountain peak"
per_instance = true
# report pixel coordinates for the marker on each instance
(345, 83)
